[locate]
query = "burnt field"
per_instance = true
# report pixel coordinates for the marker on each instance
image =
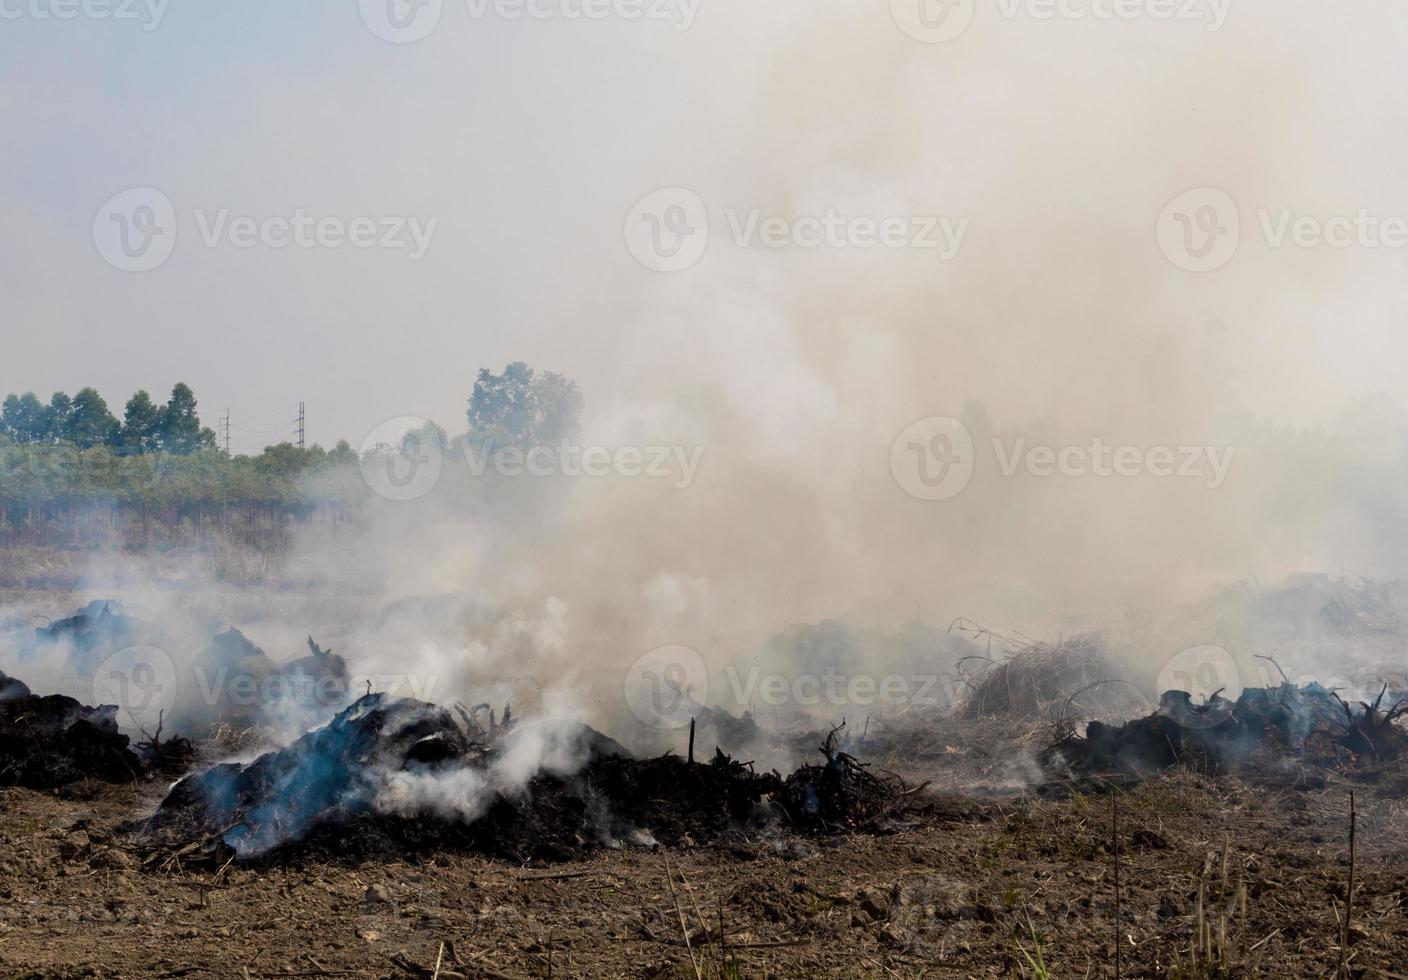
(1054, 821)
(1223, 858)
(1245, 869)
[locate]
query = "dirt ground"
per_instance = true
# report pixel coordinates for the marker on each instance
(973, 891)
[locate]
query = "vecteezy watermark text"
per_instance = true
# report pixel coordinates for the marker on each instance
(668, 230)
(408, 21)
(301, 230)
(936, 458)
(404, 459)
(1207, 463)
(99, 465)
(137, 231)
(837, 688)
(149, 13)
(679, 464)
(937, 21)
(1202, 229)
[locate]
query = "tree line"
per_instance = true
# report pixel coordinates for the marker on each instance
(72, 474)
(84, 421)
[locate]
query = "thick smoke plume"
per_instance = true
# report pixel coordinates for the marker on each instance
(1058, 323)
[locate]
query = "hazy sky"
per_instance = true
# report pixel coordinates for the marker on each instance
(530, 140)
(1068, 181)
(1144, 224)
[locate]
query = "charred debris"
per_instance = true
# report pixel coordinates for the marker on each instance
(54, 741)
(1311, 725)
(390, 774)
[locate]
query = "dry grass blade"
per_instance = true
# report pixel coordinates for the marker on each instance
(679, 913)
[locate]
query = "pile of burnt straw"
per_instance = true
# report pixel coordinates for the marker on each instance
(49, 742)
(398, 774)
(1031, 680)
(228, 681)
(1311, 723)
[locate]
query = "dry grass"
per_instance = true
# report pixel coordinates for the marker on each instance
(1039, 680)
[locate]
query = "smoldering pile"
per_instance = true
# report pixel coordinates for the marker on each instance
(229, 685)
(54, 741)
(1037, 679)
(91, 635)
(396, 774)
(1310, 724)
(227, 681)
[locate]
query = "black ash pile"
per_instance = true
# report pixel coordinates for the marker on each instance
(398, 774)
(1311, 724)
(90, 636)
(54, 741)
(222, 679)
(235, 685)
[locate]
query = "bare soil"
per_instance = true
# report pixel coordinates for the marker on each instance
(962, 894)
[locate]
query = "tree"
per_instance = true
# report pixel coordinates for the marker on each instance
(58, 415)
(91, 424)
(559, 408)
(427, 436)
(523, 409)
(22, 418)
(141, 425)
(181, 432)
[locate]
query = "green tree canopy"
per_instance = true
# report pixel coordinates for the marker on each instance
(91, 424)
(181, 431)
(141, 425)
(58, 416)
(523, 408)
(22, 418)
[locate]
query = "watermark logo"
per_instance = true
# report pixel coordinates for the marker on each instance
(408, 21)
(666, 686)
(1211, 464)
(938, 21)
(135, 231)
(63, 461)
(1200, 230)
(141, 681)
(680, 13)
(148, 12)
(304, 231)
(1362, 229)
(933, 21)
(834, 688)
(402, 459)
(934, 458)
(1201, 672)
(404, 905)
(405, 458)
(401, 21)
(832, 229)
(1211, 14)
(679, 464)
(668, 229)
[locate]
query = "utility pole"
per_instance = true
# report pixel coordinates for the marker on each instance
(226, 423)
(302, 416)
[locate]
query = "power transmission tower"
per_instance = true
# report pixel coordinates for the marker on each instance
(302, 415)
(226, 423)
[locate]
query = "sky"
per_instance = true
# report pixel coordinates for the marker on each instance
(529, 141)
(1065, 177)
